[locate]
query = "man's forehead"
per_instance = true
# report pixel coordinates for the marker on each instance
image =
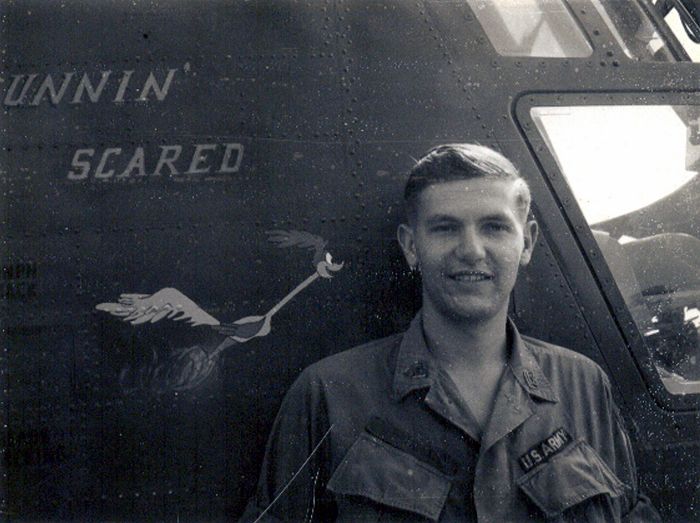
(476, 193)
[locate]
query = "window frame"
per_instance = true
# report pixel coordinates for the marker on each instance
(674, 45)
(580, 230)
(597, 32)
(575, 20)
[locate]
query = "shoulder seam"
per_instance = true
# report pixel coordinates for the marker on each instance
(541, 346)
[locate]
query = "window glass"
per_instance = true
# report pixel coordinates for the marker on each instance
(675, 23)
(633, 30)
(633, 171)
(540, 28)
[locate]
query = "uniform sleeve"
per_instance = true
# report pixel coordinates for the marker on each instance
(636, 508)
(292, 480)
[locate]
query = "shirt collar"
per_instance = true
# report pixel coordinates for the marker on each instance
(526, 369)
(416, 369)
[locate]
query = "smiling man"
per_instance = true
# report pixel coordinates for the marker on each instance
(459, 418)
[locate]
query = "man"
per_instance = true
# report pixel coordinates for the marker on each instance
(460, 418)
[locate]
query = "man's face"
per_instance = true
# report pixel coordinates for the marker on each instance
(468, 240)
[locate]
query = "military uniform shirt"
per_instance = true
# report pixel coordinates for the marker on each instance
(377, 433)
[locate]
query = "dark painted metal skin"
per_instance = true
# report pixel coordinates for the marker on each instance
(331, 102)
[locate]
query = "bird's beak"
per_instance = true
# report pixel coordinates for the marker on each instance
(326, 267)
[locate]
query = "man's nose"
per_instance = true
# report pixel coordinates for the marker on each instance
(471, 246)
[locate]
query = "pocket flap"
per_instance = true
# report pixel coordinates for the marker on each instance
(577, 474)
(387, 475)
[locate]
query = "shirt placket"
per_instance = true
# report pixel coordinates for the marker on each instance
(494, 481)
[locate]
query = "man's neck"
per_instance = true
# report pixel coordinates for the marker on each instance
(461, 345)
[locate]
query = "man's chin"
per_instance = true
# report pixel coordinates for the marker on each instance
(465, 309)
(471, 313)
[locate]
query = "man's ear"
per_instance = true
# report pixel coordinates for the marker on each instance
(530, 232)
(406, 236)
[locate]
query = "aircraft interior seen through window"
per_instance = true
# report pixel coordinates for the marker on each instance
(547, 28)
(638, 188)
(539, 28)
(633, 30)
(685, 29)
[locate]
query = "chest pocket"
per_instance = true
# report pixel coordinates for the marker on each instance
(575, 485)
(390, 477)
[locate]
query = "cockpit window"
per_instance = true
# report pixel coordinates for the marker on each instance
(638, 189)
(681, 21)
(633, 30)
(538, 28)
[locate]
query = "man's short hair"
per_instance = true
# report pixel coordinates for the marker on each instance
(462, 161)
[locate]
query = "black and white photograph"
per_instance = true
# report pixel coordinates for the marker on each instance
(350, 261)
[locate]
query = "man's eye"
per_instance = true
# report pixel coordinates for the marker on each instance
(443, 227)
(497, 227)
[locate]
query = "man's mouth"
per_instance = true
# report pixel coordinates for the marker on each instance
(470, 276)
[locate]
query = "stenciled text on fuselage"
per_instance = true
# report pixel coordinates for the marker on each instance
(176, 161)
